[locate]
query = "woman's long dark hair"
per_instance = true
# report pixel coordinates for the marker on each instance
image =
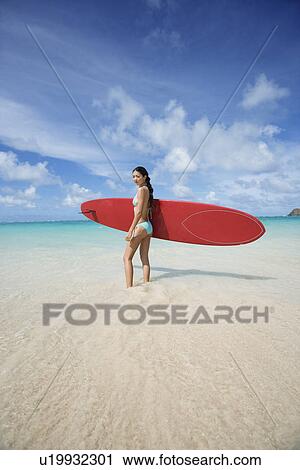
(144, 172)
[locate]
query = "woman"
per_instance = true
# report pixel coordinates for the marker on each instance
(140, 231)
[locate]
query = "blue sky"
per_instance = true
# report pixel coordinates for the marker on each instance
(150, 78)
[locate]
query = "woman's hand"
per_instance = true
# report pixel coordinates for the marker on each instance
(129, 235)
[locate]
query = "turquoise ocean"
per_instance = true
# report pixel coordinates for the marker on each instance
(78, 234)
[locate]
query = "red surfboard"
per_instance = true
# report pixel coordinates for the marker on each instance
(180, 221)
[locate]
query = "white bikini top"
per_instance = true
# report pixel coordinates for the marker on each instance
(135, 202)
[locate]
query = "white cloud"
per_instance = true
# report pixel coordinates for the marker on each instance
(114, 186)
(269, 130)
(282, 183)
(160, 36)
(171, 105)
(104, 169)
(176, 161)
(263, 91)
(158, 4)
(11, 169)
(127, 112)
(128, 109)
(169, 131)
(181, 191)
(243, 145)
(97, 103)
(24, 128)
(211, 197)
(264, 193)
(170, 141)
(25, 198)
(240, 147)
(154, 4)
(77, 194)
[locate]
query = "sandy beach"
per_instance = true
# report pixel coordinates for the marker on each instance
(143, 386)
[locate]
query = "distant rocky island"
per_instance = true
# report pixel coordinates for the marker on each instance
(295, 212)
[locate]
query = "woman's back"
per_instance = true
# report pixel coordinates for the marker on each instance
(146, 206)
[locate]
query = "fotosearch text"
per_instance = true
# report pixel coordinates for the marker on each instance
(80, 314)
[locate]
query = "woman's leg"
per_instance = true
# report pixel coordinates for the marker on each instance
(140, 234)
(144, 250)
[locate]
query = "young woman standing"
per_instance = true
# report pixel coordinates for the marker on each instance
(141, 229)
